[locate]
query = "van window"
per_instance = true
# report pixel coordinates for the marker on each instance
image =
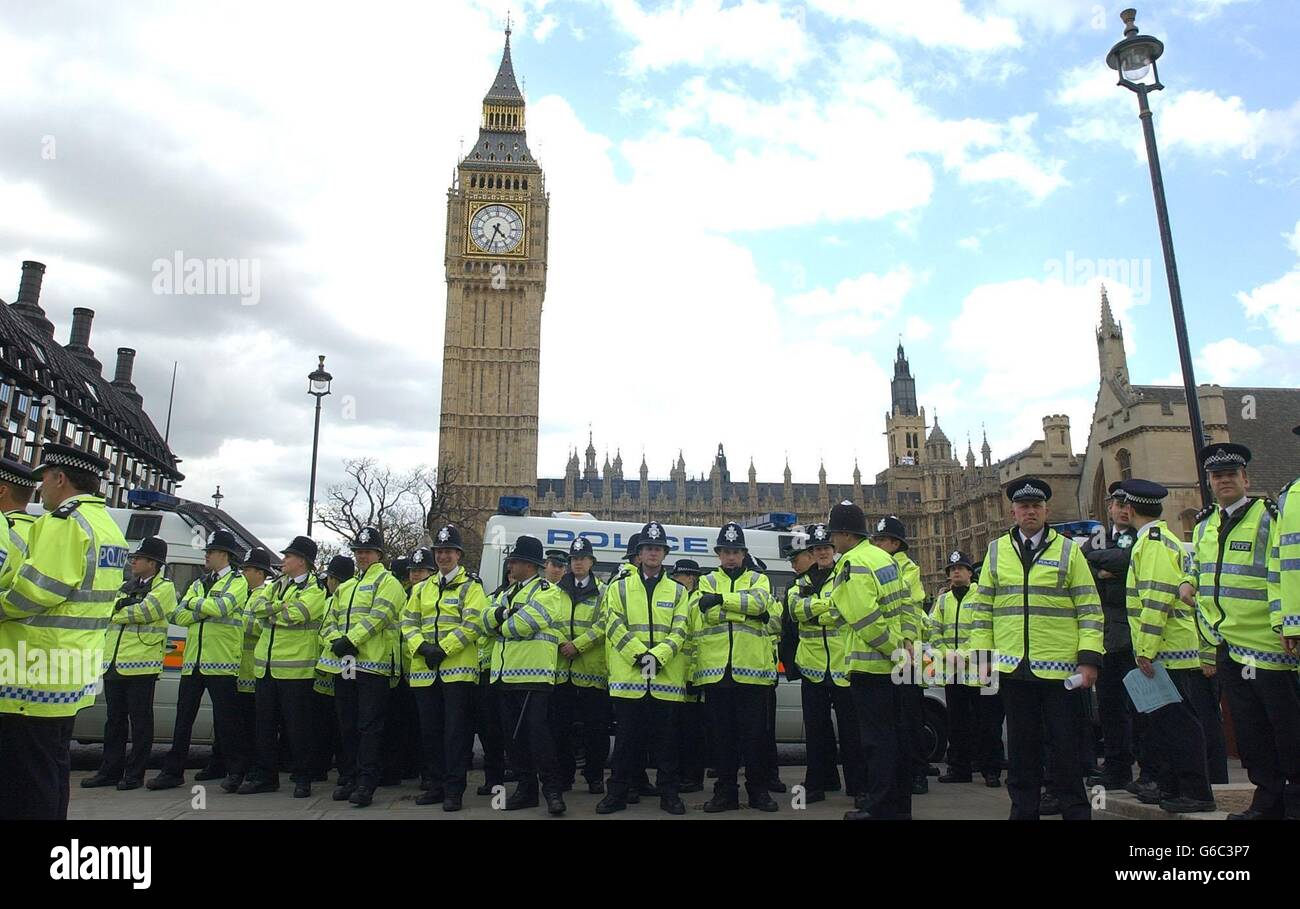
(183, 575)
(140, 526)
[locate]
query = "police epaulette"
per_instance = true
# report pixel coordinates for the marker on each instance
(545, 585)
(471, 576)
(1204, 513)
(66, 508)
(1153, 533)
(1271, 506)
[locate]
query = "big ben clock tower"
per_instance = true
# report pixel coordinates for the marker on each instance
(497, 212)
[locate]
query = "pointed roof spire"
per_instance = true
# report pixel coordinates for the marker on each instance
(1109, 327)
(505, 90)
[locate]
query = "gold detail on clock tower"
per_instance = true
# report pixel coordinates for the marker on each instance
(497, 212)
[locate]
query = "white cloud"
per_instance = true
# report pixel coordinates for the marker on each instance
(1278, 304)
(26, 204)
(971, 243)
(704, 34)
(1224, 362)
(931, 23)
(544, 28)
(917, 329)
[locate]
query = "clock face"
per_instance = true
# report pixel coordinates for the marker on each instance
(496, 228)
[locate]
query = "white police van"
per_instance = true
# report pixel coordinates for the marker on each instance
(767, 536)
(185, 526)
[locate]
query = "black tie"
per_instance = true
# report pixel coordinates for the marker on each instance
(1028, 547)
(1224, 517)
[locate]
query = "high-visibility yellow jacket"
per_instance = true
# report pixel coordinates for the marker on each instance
(1230, 574)
(137, 633)
(733, 637)
(1162, 627)
(368, 616)
(19, 528)
(586, 632)
(54, 616)
(1284, 564)
(322, 681)
(949, 632)
(1048, 613)
(449, 615)
(289, 645)
(637, 623)
(868, 592)
(212, 611)
(912, 617)
(694, 622)
(823, 633)
(525, 642)
(254, 606)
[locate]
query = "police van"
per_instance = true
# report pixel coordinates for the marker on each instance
(185, 526)
(767, 536)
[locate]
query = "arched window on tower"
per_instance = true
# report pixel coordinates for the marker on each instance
(1125, 463)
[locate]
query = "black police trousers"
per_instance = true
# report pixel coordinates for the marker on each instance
(446, 732)
(288, 701)
(882, 725)
(362, 707)
(818, 699)
(645, 725)
(128, 702)
(227, 722)
(487, 726)
(1042, 714)
(526, 722)
(1204, 695)
(913, 705)
(738, 714)
(572, 703)
(35, 761)
(692, 741)
(1174, 733)
(1266, 717)
(401, 750)
(974, 730)
(1121, 730)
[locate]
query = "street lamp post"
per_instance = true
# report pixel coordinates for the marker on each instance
(318, 386)
(1134, 58)
(217, 497)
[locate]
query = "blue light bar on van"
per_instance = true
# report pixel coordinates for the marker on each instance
(148, 498)
(512, 505)
(774, 520)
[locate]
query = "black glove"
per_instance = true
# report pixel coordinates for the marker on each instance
(709, 600)
(499, 616)
(432, 653)
(645, 659)
(763, 617)
(343, 647)
(806, 592)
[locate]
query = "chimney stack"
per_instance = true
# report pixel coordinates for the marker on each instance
(79, 338)
(122, 376)
(28, 303)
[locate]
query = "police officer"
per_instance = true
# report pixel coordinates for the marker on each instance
(1284, 567)
(645, 637)
(487, 706)
(401, 748)
(1164, 633)
(59, 605)
(891, 536)
(868, 593)
(557, 563)
(692, 730)
(257, 569)
(133, 658)
(16, 486)
(440, 627)
(974, 712)
(339, 580)
(284, 663)
(1038, 610)
(582, 675)
(1228, 584)
(366, 627)
(1108, 559)
(735, 666)
(212, 611)
(525, 648)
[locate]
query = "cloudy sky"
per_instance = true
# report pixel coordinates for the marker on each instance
(751, 203)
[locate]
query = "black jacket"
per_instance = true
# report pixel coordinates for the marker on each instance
(1113, 558)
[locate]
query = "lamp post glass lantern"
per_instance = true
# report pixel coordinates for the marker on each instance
(1134, 59)
(318, 386)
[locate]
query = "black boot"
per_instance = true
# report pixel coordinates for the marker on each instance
(430, 796)
(523, 797)
(723, 800)
(672, 804)
(362, 796)
(97, 781)
(555, 803)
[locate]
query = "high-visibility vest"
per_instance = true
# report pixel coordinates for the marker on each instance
(1162, 627)
(322, 681)
(214, 619)
(1284, 564)
(948, 635)
(254, 606)
(823, 633)
(587, 632)
(868, 592)
(57, 610)
(912, 618)
(525, 641)
(734, 637)
(1048, 612)
(289, 645)
(637, 624)
(137, 632)
(368, 616)
(1230, 574)
(450, 616)
(18, 528)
